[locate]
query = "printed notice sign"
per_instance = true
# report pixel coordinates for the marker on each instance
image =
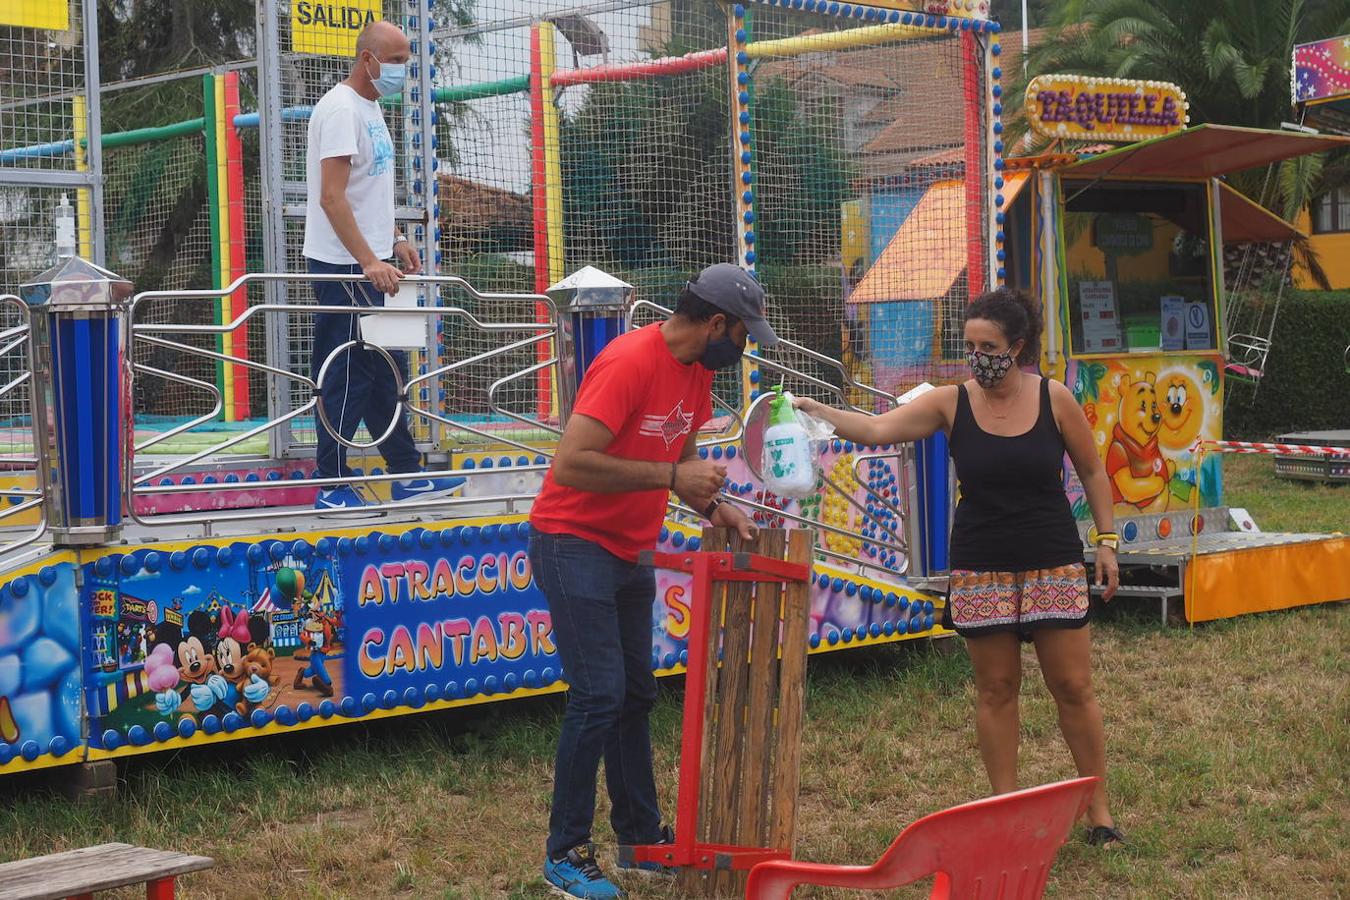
(1199, 332)
(1100, 319)
(1173, 325)
(53, 15)
(330, 27)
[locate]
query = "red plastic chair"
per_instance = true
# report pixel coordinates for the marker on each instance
(1000, 847)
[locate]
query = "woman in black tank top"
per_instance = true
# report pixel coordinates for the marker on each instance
(1017, 561)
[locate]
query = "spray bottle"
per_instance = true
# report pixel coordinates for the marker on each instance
(788, 465)
(65, 229)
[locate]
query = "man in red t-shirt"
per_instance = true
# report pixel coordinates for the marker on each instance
(632, 440)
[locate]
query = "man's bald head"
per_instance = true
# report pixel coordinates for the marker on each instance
(384, 41)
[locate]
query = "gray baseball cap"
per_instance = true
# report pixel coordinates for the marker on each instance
(731, 289)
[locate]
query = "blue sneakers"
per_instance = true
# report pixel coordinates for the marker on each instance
(651, 868)
(577, 875)
(344, 496)
(424, 488)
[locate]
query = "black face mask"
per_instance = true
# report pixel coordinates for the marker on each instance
(721, 354)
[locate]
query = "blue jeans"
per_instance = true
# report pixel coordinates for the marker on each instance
(359, 385)
(601, 608)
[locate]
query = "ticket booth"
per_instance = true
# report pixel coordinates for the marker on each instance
(1125, 248)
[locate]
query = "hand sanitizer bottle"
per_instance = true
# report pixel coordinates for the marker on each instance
(65, 230)
(788, 466)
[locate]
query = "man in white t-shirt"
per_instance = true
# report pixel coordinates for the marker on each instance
(350, 230)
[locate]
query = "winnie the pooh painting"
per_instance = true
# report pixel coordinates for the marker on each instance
(1134, 463)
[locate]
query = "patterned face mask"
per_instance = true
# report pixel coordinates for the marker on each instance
(989, 368)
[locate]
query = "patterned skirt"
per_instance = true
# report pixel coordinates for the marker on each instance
(980, 603)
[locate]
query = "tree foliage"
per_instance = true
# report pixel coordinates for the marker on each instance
(147, 37)
(647, 180)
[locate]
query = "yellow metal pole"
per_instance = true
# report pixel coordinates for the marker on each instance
(1188, 590)
(84, 224)
(838, 40)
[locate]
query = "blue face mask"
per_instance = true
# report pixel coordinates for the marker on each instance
(391, 78)
(722, 353)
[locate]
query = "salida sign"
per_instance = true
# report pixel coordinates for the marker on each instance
(330, 29)
(1104, 109)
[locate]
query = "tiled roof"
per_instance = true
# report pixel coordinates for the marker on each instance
(926, 256)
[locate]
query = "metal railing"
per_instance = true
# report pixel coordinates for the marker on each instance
(143, 479)
(139, 479)
(24, 402)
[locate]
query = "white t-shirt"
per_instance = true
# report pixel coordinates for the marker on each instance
(346, 124)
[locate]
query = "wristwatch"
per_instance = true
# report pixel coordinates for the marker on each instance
(712, 507)
(1110, 542)
(400, 237)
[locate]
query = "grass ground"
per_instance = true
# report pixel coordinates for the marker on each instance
(1229, 749)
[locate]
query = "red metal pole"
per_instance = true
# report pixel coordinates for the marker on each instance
(539, 202)
(160, 889)
(695, 695)
(234, 185)
(973, 96)
(670, 65)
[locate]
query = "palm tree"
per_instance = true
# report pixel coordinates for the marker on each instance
(1232, 57)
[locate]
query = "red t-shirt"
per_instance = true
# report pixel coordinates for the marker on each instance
(651, 402)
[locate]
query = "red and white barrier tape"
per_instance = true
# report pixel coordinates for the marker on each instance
(1279, 449)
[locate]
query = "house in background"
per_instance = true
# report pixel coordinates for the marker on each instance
(1322, 100)
(1327, 225)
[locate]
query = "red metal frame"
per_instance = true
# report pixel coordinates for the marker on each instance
(539, 216)
(707, 569)
(238, 265)
(156, 889)
(973, 94)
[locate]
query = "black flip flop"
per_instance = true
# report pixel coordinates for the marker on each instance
(1106, 836)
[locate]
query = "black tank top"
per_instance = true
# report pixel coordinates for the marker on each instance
(1013, 514)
